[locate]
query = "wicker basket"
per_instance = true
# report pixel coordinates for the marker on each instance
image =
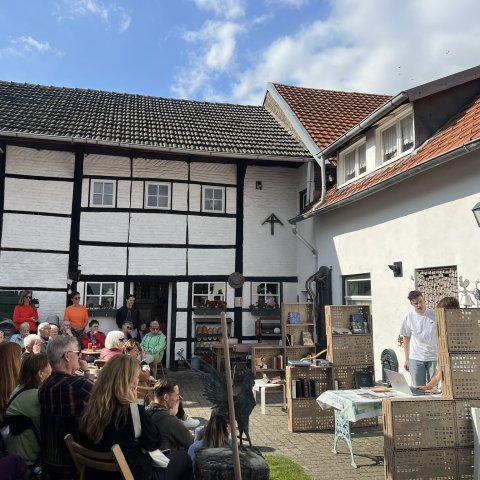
(415, 424)
(458, 330)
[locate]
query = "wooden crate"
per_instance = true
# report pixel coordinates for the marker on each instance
(350, 350)
(305, 309)
(344, 376)
(339, 316)
(295, 333)
(266, 351)
(458, 330)
(465, 463)
(463, 422)
(437, 464)
(411, 424)
(296, 353)
(305, 414)
(460, 375)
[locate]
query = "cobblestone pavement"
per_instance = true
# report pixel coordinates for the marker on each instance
(312, 450)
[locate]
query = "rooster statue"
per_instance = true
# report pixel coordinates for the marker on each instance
(215, 390)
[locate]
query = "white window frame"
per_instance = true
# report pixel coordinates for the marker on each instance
(93, 194)
(214, 291)
(359, 170)
(350, 299)
(204, 199)
(107, 292)
(169, 195)
(400, 150)
(265, 291)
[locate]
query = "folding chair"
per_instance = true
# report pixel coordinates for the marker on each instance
(113, 461)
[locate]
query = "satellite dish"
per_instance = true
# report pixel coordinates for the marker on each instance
(236, 280)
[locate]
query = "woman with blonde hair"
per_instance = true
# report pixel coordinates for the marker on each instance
(24, 406)
(24, 312)
(10, 359)
(107, 420)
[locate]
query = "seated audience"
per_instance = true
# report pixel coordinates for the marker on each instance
(19, 337)
(24, 312)
(23, 411)
(44, 334)
(10, 359)
(108, 420)
(163, 410)
(13, 468)
(154, 343)
(141, 331)
(93, 336)
(32, 344)
(215, 435)
(53, 330)
(127, 328)
(113, 345)
(64, 393)
(66, 328)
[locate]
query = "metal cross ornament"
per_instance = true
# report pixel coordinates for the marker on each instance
(272, 220)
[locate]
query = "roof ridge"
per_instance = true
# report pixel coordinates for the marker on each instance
(330, 90)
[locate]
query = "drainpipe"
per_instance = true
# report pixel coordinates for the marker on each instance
(315, 256)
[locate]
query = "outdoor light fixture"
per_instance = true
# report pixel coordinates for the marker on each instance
(476, 213)
(397, 269)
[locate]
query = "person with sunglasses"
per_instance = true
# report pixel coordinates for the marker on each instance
(154, 343)
(77, 315)
(65, 392)
(113, 345)
(24, 312)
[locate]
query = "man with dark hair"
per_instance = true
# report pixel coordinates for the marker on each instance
(175, 435)
(419, 332)
(128, 313)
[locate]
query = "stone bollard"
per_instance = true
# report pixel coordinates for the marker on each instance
(217, 464)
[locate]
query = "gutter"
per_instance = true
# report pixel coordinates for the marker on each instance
(106, 143)
(437, 161)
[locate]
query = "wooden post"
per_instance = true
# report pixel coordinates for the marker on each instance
(231, 408)
(476, 442)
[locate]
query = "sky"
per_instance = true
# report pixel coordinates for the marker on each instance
(228, 50)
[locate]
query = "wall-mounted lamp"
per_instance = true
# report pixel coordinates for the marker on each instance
(397, 269)
(258, 185)
(476, 213)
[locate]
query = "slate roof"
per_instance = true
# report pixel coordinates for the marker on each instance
(328, 114)
(460, 130)
(134, 120)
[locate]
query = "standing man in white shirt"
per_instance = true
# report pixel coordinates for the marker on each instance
(419, 332)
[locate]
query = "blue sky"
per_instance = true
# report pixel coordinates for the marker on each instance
(227, 50)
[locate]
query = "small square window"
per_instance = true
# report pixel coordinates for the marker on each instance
(213, 199)
(100, 295)
(103, 193)
(157, 195)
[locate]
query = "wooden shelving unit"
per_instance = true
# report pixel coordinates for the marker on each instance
(293, 333)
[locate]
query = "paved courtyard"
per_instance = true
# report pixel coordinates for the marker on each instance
(312, 450)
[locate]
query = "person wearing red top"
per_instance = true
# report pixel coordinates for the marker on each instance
(24, 312)
(94, 336)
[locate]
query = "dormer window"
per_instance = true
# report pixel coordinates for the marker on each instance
(397, 139)
(353, 162)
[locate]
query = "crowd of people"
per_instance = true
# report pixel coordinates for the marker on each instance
(46, 377)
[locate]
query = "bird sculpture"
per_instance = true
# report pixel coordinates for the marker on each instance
(215, 390)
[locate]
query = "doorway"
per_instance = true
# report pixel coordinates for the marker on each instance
(151, 298)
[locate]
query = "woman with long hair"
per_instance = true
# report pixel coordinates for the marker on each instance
(10, 359)
(107, 420)
(24, 312)
(23, 439)
(215, 435)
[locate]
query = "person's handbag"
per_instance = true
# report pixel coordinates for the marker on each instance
(158, 457)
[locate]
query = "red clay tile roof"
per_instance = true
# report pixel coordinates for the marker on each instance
(328, 114)
(462, 129)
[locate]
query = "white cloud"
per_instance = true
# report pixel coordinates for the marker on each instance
(107, 13)
(228, 9)
(26, 46)
(370, 46)
(289, 3)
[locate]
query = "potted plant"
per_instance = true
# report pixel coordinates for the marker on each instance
(262, 308)
(211, 307)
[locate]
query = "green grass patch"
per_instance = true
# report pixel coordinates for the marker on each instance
(282, 468)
